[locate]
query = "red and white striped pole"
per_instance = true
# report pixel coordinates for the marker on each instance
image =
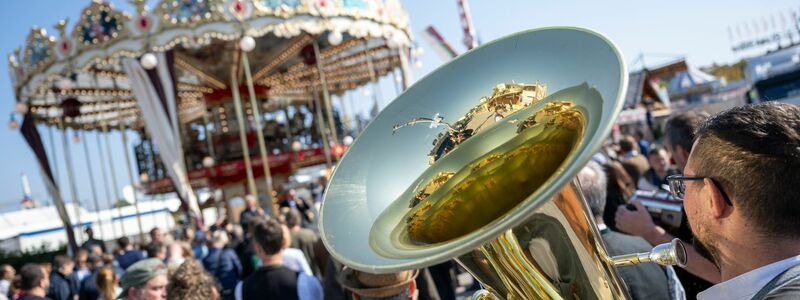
(466, 24)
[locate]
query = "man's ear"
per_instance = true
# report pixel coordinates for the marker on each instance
(719, 207)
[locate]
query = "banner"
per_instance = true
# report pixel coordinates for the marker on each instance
(31, 135)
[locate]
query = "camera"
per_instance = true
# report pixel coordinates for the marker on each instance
(666, 211)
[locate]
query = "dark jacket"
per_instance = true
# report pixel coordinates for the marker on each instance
(88, 290)
(645, 281)
(784, 286)
(92, 242)
(128, 258)
(224, 265)
(61, 287)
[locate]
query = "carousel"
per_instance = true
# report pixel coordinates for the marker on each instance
(226, 95)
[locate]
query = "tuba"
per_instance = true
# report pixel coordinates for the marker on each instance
(477, 162)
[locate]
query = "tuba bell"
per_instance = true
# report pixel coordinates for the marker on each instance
(476, 162)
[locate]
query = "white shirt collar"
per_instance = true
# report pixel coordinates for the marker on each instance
(745, 286)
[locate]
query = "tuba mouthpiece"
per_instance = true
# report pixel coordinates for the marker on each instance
(667, 254)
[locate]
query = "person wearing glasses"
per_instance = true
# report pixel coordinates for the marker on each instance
(700, 273)
(740, 189)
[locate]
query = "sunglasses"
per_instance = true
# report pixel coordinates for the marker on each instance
(677, 186)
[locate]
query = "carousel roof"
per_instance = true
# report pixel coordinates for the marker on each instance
(51, 72)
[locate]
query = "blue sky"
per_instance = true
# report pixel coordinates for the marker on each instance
(661, 30)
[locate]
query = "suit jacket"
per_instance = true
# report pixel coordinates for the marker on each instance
(784, 286)
(645, 281)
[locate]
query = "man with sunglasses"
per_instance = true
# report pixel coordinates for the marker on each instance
(740, 189)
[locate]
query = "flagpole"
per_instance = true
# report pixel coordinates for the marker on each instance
(130, 179)
(105, 183)
(259, 133)
(91, 183)
(237, 103)
(114, 180)
(71, 178)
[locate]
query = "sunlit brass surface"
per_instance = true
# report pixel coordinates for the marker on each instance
(493, 184)
(501, 198)
(556, 254)
(506, 99)
(667, 254)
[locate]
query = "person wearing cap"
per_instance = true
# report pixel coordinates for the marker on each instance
(368, 286)
(91, 241)
(145, 280)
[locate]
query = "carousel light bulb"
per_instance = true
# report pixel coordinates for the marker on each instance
(418, 64)
(144, 177)
(208, 161)
(65, 84)
(365, 91)
(297, 146)
(21, 108)
(418, 51)
(347, 140)
(247, 43)
(76, 138)
(148, 61)
(398, 78)
(335, 38)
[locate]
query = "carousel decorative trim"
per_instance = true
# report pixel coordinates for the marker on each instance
(89, 56)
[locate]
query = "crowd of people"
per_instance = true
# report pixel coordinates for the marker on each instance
(262, 256)
(736, 173)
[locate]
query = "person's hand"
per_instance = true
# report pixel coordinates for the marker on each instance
(636, 222)
(260, 211)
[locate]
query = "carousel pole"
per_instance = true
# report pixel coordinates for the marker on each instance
(71, 178)
(105, 184)
(91, 181)
(345, 115)
(325, 94)
(207, 133)
(257, 118)
(130, 179)
(373, 77)
(326, 146)
(288, 125)
(237, 103)
(113, 179)
(404, 67)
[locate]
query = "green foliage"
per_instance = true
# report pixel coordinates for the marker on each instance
(36, 255)
(121, 203)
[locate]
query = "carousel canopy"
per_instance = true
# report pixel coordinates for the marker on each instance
(77, 76)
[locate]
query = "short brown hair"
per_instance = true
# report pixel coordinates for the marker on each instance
(31, 276)
(268, 234)
(753, 153)
(680, 129)
(292, 217)
(190, 281)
